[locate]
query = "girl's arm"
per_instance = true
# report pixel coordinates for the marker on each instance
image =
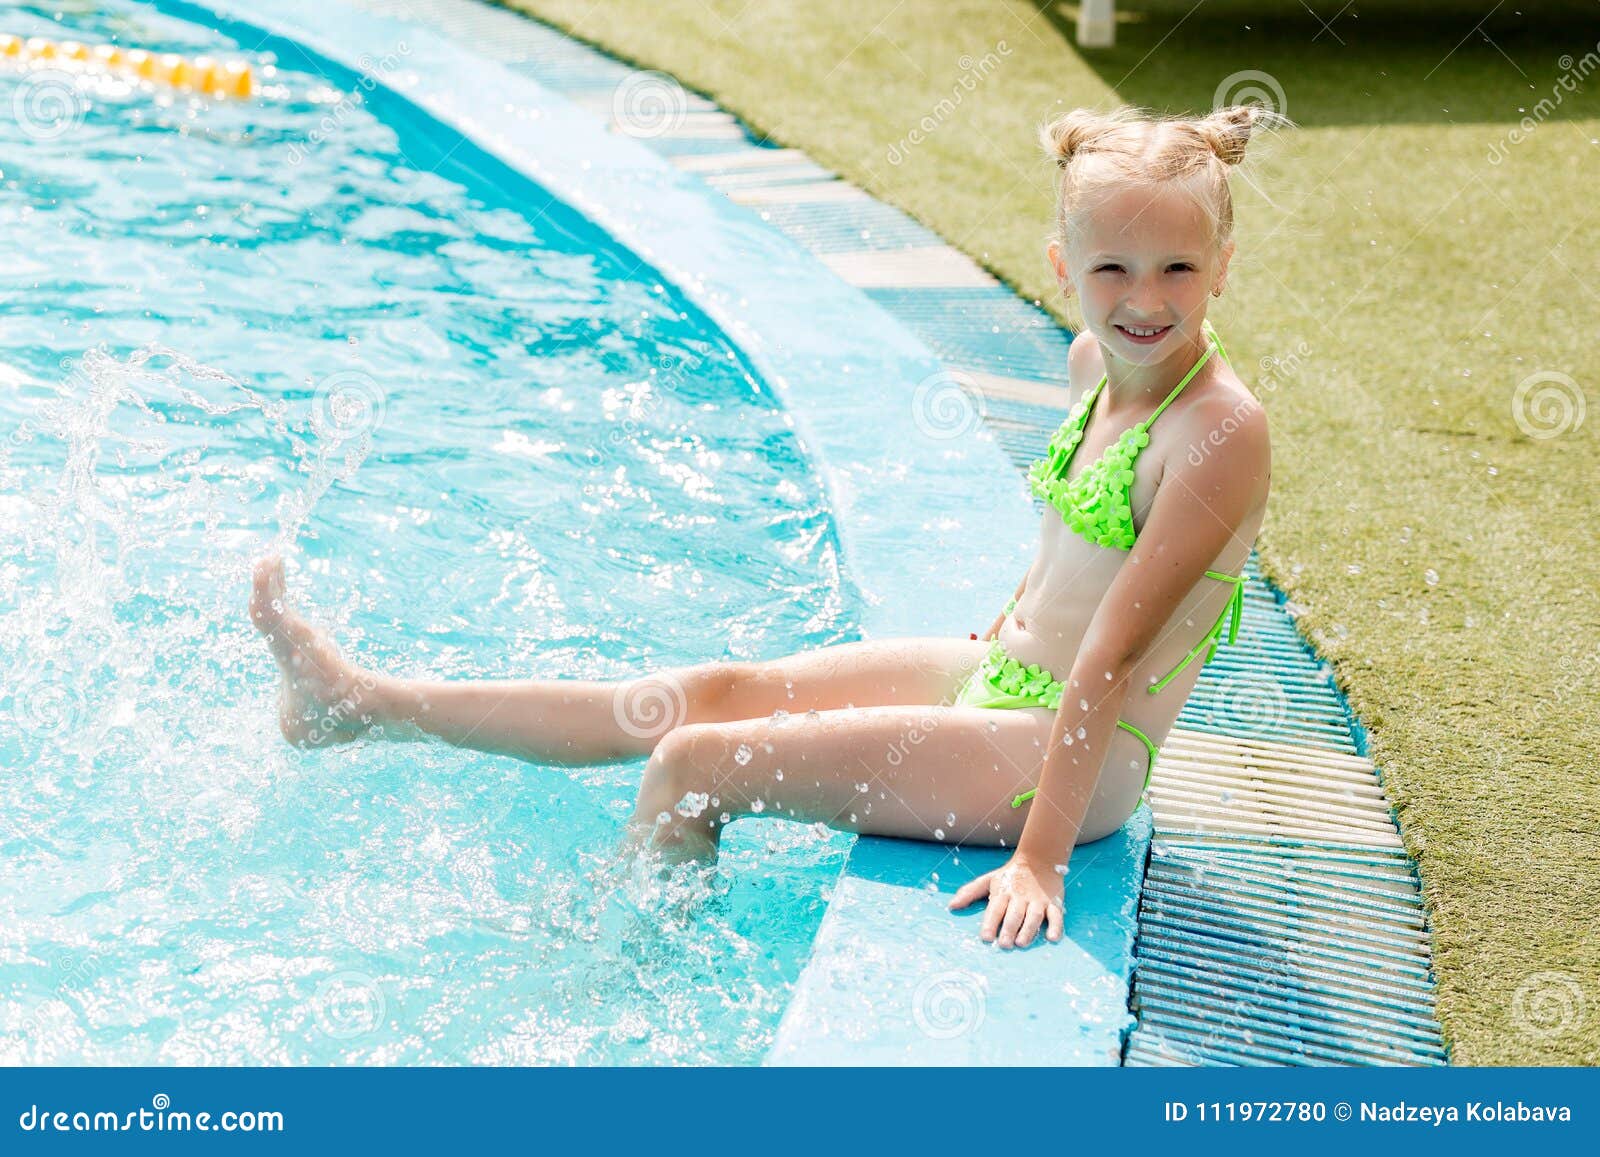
(994, 628)
(1195, 517)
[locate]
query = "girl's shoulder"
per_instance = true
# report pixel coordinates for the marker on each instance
(1224, 417)
(1084, 365)
(1224, 394)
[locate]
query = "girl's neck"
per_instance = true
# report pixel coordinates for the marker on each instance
(1134, 388)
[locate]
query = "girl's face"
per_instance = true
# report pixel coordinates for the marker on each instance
(1143, 264)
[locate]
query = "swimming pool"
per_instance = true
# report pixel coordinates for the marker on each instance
(500, 447)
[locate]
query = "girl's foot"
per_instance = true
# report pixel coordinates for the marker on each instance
(324, 699)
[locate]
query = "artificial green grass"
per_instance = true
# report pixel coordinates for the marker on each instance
(1445, 558)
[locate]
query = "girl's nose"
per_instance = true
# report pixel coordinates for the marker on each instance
(1145, 299)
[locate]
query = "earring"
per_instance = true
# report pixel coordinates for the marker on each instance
(1217, 292)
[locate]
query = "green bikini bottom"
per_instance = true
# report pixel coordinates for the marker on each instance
(1000, 681)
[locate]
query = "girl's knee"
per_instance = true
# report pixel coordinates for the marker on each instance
(675, 797)
(682, 762)
(709, 691)
(681, 751)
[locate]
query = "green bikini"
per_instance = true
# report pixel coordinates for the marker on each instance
(1097, 505)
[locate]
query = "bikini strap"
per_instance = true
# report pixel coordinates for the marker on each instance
(1211, 348)
(1089, 400)
(1211, 332)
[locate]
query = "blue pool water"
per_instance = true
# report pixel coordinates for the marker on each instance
(493, 446)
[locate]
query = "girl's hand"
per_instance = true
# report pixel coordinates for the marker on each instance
(1022, 896)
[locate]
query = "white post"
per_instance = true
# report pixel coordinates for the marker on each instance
(1097, 23)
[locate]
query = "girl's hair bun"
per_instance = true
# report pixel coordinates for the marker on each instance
(1132, 145)
(1227, 130)
(1068, 135)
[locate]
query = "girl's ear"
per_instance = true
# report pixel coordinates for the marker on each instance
(1222, 269)
(1058, 263)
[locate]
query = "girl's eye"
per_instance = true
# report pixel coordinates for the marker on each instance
(1182, 267)
(1108, 268)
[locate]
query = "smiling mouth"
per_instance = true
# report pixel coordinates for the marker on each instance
(1143, 334)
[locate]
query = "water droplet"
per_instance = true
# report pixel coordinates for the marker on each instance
(692, 804)
(758, 806)
(778, 774)
(726, 817)
(742, 756)
(1430, 576)
(938, 833)
(1083, 705)
(1081, 733)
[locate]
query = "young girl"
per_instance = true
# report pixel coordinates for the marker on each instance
(1041, 735)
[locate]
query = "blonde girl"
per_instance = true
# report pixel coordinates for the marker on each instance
(1037, 737)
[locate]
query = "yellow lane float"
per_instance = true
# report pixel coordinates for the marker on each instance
(202, 74)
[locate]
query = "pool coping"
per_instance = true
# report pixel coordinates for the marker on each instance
(814, 340)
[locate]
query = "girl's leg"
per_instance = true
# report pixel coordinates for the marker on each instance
(327, 699)
(931, 773)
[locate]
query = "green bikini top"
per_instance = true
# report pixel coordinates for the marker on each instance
(1098, 504)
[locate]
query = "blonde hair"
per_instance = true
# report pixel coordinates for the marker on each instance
(1128, 145)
